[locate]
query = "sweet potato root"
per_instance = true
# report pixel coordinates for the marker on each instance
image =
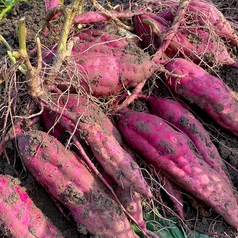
(205, 90)
(69, 181)
(181, 118)
(170, 151)
(19, 216)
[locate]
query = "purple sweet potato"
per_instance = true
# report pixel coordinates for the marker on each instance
(115, 160)
(207, 14)
(101, 68)
(191, 42)
(169, 150)
(181, 118)
(19, 216)
(85, 107)
(174, 192)
(150, 35)
(69, 181)
(50, 4)
(131, 200)
(204, 13)
(205, 90)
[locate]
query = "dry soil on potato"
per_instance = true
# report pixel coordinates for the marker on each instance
(227, 144)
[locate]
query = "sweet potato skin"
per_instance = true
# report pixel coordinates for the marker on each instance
(206, 91)
(69, 181)
(170, 151)
(19, 217)
(181, 118)
(115, 160)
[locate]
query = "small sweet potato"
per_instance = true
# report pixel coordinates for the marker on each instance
(68, 180)
(181, 118)
(207, 91)
(174, 192)
(131, 200)
(170, 151)
(19, 216)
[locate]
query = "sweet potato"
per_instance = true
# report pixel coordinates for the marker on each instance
(115, 160)
(85, 107)
(181, 118)
(101, 69)
(50, 4)
(131, 200)
(204, 13)
(205, 90)
(69, 181)
(207, 14)
(170, 151)
(19, 216)
(191, 42)
(174, 192)
(150, 34)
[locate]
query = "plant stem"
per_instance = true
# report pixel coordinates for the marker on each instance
(5, 11)
(33, 79)
(63, 49)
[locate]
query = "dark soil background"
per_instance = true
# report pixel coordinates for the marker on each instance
(227, 144)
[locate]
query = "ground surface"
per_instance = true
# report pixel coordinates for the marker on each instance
(227, 144)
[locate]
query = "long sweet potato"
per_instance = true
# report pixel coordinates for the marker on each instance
(204, 13)
(19, 216)
(191, 42)
(115, 160)
(69, 181)
(170, 151)
(205, 90)
(182, 119)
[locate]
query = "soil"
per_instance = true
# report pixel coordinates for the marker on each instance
(226, 143)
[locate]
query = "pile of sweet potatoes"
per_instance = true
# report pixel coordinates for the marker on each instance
(98, 153)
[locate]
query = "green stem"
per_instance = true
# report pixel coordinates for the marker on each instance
(62, 50)
(5, 11)
(2, 39)
(21, 67)
(69, 16)
(21, 33)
